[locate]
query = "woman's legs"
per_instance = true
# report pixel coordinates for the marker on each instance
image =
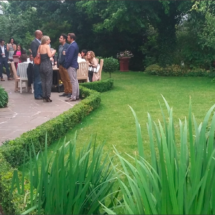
(90, 75)
(49, 83)
(43, 80)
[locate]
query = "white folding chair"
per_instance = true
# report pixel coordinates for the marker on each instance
(23, 77)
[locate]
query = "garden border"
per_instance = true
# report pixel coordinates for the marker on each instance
(13, 153)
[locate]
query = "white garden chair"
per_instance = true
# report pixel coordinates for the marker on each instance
(23, 77)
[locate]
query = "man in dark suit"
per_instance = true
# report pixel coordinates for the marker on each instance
(71, 64)
(4, 60)
(37, 80)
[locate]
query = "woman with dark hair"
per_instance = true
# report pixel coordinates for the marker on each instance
(19, 51)
(11, 47)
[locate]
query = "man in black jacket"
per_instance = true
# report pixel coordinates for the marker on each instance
(37, 81)
(4, 60)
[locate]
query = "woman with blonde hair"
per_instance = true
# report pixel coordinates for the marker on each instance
(93, 64)
(46, 67)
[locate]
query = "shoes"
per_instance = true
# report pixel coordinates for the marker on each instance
(2, 79)
(63, 95)
(69, 95)
(70, 100)
(77, 98)
(39, 98)
(47, 99)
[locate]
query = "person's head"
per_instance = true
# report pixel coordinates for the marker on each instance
(2, 42)
(23, 58)
(31, 57)
(71, 37)
(38, 34)
(83, 53)
(90, 55)
(62, 38)
(45, 40)
(11, 40)
(19, 47)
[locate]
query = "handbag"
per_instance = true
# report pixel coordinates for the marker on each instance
(37, 59)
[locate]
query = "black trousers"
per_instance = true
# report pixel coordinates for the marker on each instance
(3, 62)
(90, 75)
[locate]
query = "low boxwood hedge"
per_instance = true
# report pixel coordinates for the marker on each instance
(13, 153)
(99, 86)
(15, 150)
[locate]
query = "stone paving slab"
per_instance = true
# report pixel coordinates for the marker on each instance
(24, 113)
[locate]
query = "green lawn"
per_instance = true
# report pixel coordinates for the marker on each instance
(114, 122)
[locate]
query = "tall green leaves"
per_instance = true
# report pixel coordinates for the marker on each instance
(179, 180)
(69, 182)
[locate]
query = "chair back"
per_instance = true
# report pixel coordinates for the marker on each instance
(15, 58)
(82, 72)
(14, 70)
(22, 67)
(100, 70)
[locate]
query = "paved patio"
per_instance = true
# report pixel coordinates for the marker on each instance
(24, 113)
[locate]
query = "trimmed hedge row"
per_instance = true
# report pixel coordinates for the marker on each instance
(15, 150)
(99, 86)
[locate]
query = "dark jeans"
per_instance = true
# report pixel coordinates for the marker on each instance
(3, 63)
(37, 82)
(90, 75)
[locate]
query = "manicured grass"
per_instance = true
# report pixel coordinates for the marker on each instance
(114, 122)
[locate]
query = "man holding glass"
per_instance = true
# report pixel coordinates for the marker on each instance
(61, 65)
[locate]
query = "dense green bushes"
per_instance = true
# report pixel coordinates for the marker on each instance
(99, 86)
(176, 70)
(3, 98)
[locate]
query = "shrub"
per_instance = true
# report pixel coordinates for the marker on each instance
(110, 65)
(3, 98)
(99, 86)
(176, 70)
(15, 150)
(69, 182)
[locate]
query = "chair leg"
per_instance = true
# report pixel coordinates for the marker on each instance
(20, 86)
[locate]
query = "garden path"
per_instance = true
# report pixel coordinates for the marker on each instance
(24, 113)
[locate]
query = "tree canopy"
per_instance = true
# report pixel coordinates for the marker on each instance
(154, 31)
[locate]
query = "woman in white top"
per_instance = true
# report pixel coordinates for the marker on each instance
(11, 47)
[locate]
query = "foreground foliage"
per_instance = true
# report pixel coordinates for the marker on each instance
(68, 183)
(177, 180)
(3, 98)
(174, 181)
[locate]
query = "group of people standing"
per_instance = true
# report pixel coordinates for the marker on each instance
(67, 62)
